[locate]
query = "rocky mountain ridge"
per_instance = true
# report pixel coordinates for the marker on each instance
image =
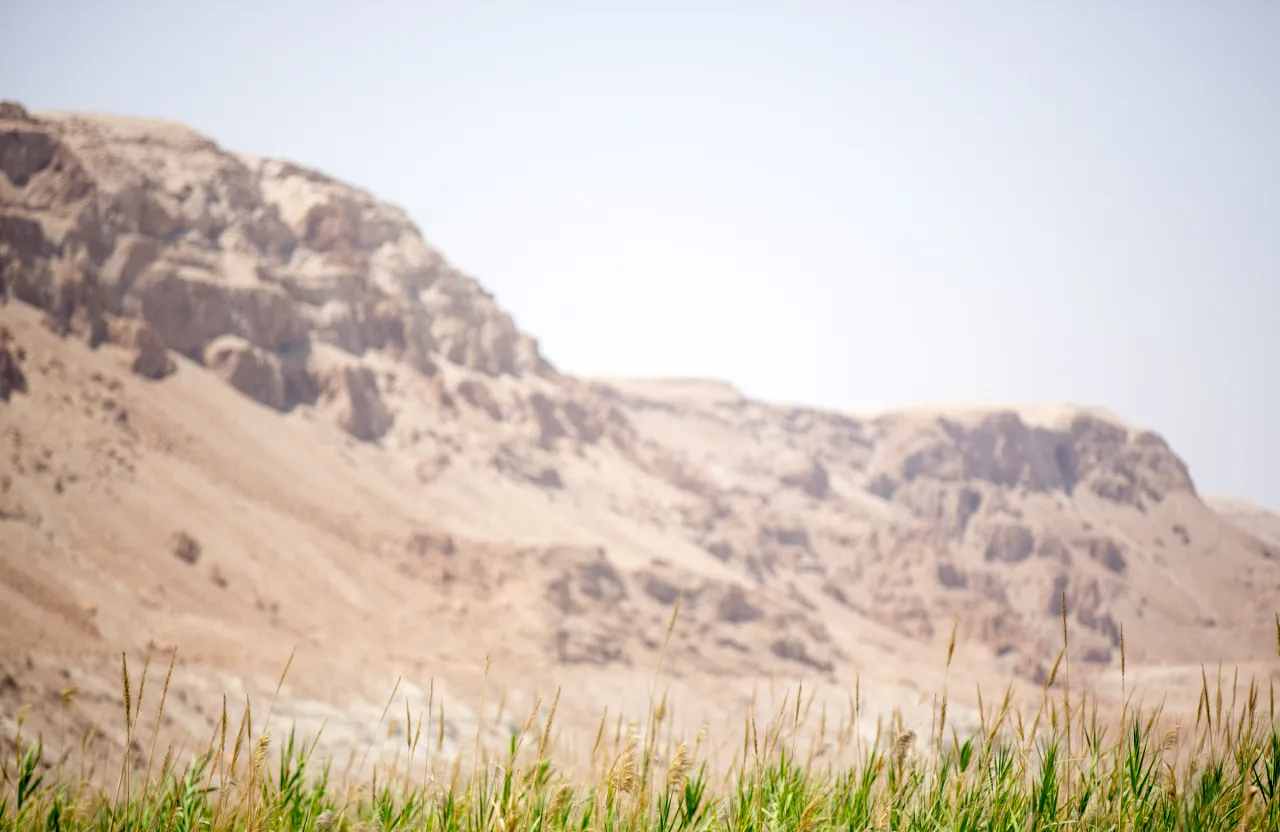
(276, 366)
(252, 267)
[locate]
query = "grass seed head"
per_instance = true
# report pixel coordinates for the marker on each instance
(901, 747)
(678, 771)
(623, 775)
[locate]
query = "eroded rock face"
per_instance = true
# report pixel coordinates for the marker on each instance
(153, 222)
(1000, 449)
(1133, 469)
(478, 395)
(351, 393)
(12, 379)
(812, 479)
(151, 357)
(189, 304)
(248, 368)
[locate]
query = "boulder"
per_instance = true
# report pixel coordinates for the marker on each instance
(351, 393)
(151, 357)
(248, 368)
(12, 379)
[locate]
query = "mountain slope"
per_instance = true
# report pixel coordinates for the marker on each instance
(258, 411)
(1251, 519)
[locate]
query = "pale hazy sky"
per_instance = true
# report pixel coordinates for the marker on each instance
(855, 205)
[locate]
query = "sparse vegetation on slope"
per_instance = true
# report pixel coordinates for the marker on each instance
(1059, 769)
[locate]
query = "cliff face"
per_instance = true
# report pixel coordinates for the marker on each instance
(989, 516)
(357, 450)
(277, 277)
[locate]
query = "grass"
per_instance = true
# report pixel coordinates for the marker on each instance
(1058, 768)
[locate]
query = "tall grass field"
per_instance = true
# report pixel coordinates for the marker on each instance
(1057, 768)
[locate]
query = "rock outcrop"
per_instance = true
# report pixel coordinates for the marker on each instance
(350, 392)
(811, 478)
(12, 379)
(151, 357)
(153, 223)
(248, 368)
(1001, 449)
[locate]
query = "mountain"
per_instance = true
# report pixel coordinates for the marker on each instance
(246, 408)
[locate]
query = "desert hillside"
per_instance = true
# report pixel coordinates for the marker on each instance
(246, 408)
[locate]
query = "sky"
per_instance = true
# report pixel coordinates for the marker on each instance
(851, 205)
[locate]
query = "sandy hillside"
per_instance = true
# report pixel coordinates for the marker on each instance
(245, 408)
(1253, 519)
